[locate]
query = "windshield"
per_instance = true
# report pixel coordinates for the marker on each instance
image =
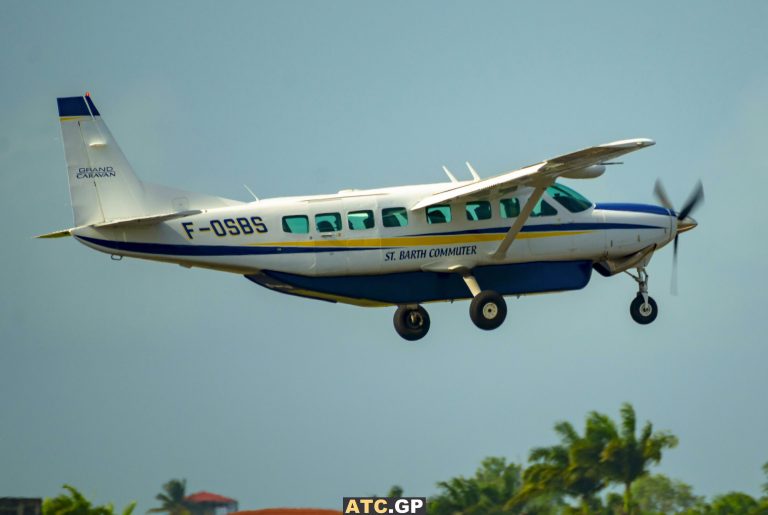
(568, 198)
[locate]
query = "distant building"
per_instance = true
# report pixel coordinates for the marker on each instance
(207, 503)
(20, 506)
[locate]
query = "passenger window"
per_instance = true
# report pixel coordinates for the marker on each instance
(480, 210)
(394, 217)
(509, 207)
(328, 222)
(297, 224)
(439, 214)
(359, 220)
(543, 209)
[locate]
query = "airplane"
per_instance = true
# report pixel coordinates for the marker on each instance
(517, 233)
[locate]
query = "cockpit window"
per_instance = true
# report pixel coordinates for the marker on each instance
(569, 199)
(543, 209)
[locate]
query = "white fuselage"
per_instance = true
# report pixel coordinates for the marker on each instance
(251, 237)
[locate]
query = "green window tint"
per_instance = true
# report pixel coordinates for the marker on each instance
(394, 217)
(439, 214)
(328, 222)
(543, 208)
(359, 220)
(509, 207)
(297, 224)
(569, 199)
(480, 210)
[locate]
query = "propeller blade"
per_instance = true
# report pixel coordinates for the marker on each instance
(673, 281)
(696, 197)
(661, 195)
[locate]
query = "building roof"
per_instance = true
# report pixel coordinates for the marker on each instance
(208, 497)
(288, 511)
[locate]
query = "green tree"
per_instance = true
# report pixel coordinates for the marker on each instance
(571, 468)
(626, 457)
(75, 503)
(172, 498)
(395, 491)
(733, 503)
(659, 494)
(765, 485)
(487, 493)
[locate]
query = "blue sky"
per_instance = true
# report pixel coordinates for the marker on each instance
(116, 377)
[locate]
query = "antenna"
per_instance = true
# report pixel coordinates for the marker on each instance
(473, 172)
(249, 191)
(449, 174)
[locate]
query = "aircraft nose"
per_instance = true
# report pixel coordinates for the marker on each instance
(686, 224)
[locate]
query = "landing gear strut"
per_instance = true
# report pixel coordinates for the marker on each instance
(411, 322)
(643, 308)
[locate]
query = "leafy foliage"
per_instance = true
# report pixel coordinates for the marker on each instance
(172, 498)
(625, 457)
(659, 494)
(75, 503)
(486, 493)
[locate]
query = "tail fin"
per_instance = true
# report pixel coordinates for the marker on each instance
(102, 184)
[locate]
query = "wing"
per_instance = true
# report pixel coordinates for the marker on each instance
(540, 174)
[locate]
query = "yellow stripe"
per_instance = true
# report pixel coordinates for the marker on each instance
(416, 241)
(366, 303)
(70, 118)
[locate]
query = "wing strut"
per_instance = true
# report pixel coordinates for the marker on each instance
(525, 213)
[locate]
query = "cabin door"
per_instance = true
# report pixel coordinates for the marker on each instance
(362, 235)
(328, 232)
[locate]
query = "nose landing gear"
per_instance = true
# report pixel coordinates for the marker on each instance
(411, 322)
(643, 308)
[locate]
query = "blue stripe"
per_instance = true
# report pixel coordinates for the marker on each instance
(72, 106)
(585, 226)
(94, 111)
(634, 208)
(209, 250)
(413, 287)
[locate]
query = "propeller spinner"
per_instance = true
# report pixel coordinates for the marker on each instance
(684, 220)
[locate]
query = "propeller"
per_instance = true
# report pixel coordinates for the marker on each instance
(684, 221)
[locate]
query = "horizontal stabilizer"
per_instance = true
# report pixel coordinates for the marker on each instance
(126, 222)
(57, 234)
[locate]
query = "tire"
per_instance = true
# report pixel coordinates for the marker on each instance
(488, 310)
(411, 324)
(641, 313)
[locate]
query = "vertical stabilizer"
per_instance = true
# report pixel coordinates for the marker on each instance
(102, 184)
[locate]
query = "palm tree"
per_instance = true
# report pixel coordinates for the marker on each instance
(625, 457)
(75, 503)
(172, 498)
(570, 468)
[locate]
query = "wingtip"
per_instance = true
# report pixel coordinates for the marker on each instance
(631, 143)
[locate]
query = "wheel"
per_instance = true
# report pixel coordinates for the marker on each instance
(488, 310)
(411, 323)
(641, 312)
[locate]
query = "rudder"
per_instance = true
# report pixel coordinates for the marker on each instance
(102, 184)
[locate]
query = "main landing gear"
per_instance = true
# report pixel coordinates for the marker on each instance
(487, 310)
(643, 308)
